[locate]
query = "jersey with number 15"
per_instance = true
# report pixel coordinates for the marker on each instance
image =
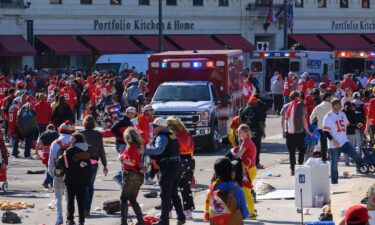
(336, 125)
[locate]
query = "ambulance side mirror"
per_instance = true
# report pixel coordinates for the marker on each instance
(226, 99)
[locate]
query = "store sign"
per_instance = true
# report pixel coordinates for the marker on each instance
(353, 25)
(113, 25)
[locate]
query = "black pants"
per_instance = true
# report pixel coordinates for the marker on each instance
(293, 142)
(188, 166)
(169, 180)
(323, 145)
(78, 193)
(129, 193)
(278, 103)
(257, 139)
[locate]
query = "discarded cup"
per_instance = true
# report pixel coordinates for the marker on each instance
(269, 174)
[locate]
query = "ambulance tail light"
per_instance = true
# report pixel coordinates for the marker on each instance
(210, 64)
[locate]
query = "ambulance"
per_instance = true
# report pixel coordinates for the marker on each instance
(265, 63)
(352, 61)
(203, 88)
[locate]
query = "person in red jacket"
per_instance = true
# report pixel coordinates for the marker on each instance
(186, 143)
(3, 87)
(43, 112)
(69, 95)
(142, 122)
(349, 83)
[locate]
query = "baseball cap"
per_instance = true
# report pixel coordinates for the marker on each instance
(147, 107)
(357, 102)
(356, 214)
(223, 165)
(159, 122)
(131, 110)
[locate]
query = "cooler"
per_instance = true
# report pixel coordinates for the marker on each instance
(314, 181)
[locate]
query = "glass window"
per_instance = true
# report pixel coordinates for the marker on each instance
(144, 2)
(86, 2)
(322, 3)
(256, 67)
(298, 3)
(55, 1)
(197, 2)
(366, 4)
(344, 3)
(115, 2)
(294, 66)
(370, 65)
(182, 93)
(171, 2)
(223, 2)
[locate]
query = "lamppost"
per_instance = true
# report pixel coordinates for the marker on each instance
(160, 26)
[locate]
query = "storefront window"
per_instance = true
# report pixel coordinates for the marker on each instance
(171, 2)
(366, 4)
(86, 2)
(223, 2)
(197, 2)
(115, 2)
(55, 1)
(322, 3)
(344, 3)
(144, 2)
(298, 4)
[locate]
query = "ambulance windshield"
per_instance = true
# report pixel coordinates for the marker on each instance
(182, 93)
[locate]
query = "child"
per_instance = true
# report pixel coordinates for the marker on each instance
(45, 140)
(247, 153)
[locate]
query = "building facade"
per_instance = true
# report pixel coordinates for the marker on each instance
(39, 21)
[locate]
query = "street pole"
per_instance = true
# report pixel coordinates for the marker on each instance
(160, 26)
(285, 26)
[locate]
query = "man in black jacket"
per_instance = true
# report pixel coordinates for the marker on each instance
(77, 168)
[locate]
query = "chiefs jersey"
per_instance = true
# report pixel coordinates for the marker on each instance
(12, 124)
(336, 125)
(69, 95)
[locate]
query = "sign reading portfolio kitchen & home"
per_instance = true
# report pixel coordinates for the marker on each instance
(353, 25)
(141, 25)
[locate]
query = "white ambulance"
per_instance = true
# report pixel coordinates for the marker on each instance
(354, 61)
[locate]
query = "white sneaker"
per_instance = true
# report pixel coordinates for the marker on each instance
(333, 188)
(188, 214)
(149, 181)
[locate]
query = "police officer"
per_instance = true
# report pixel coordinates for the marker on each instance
(167, 152)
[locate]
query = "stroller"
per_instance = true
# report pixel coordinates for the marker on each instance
(368, 159)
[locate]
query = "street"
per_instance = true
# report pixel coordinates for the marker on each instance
(28, 188)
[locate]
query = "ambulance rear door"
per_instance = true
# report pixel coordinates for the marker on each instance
(295, 65)
(369, 66)
(257, 66)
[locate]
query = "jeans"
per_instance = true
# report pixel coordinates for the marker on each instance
(348, 149)
(129, 193)
(89, 190)
(323, 145)
(170, 178)
(188, 166)
(15, 141)
(293, 142)
(286, 99)
(42, 128)
(277, 103)
(351, 138)
(74, 192)
(118, 177)
(59, 187)
(49, 179)
(28, 143)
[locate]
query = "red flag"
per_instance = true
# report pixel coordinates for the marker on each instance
(271, 14)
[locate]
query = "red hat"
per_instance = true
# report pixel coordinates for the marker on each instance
(356, 214)
(253, 100)
(20, 83)
(29, 98)
(332, 87)
(66, 128)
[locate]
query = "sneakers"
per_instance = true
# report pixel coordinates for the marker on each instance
(59, 222)
(333, 188)
(152, 194)
(188, 214)
(253, 216)
(45, 186)
(181, 222)
(149, 181)
(29, 157)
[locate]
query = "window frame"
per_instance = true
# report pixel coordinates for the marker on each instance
(223, 5)
(55, 2)
(112, 3)
(368, 4)
(299, 6)
(324, 5)
(141, 3)
(195, 4)
(342, 6)
(88, 3)
(175, 3)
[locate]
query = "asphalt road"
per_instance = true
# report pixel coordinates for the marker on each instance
(25, 187)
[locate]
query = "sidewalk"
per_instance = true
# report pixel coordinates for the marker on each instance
(350, 191)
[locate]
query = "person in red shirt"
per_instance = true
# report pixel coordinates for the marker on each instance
(309, 104)
(302, 84)
(186, 143)
(247, 152)
(43, 113)
(69, 95)
(132, 174)
(310, 85)
(101, 90)
(371, 119)
(289, 86)
(326, 80)
(143, 121)
(3, 87)
(349, 83)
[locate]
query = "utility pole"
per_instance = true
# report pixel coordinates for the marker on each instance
(160, 26)
(285, 26)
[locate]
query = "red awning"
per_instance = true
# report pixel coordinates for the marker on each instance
(14, 45)
(111, 44)
(152, 42)
(371, 37)
(350, 42)
(64, 45)
(195, 42)
(310, 42)
(236, 41)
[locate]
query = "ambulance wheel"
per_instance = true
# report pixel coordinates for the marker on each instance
(5, 187)
(371, 168)
(364, 169)
(213, 142)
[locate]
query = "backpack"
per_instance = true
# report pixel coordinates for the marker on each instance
(223, 208)
(247, 116)
(26, 121)
(85, 98)
(59, 167)
(7, 105)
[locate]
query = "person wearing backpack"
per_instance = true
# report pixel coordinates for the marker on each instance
(57, 148)
(77, 168)
(225, 203)
(27, 125)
